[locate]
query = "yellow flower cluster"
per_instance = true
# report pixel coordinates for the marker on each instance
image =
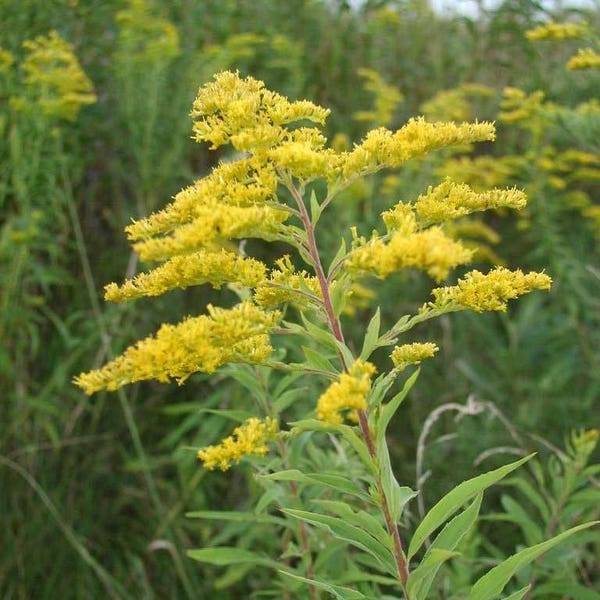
(198, 344)
(412, 354)
(586, 58)
(247, 115)
(451, 200)
(6, 60)
(230, 201)
(517, 106)
(143, 37)
(251, 438)
(430, 250)
(386, 99)
(204, 266)
(556, 31)
(384, 148)
(478, 291)
(285, 284)
(347, 394)
(56, 83)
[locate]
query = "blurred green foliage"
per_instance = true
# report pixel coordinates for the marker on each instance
(94, 491)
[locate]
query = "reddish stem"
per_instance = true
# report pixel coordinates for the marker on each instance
(336, 328)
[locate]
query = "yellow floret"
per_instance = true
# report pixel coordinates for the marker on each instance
(198, 344)
(478, 291)
(412, 354)
(347, 394)
(251, 438)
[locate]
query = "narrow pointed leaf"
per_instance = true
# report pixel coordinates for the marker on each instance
(494, 581)
(454, 499)
(448, 539)
(371, 336)
(351, 534)
(338, 255)
(318, 361)
(340, 592)
(389, 409)
(434, 561)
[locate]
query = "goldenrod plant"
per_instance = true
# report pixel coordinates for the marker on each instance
(330, 494)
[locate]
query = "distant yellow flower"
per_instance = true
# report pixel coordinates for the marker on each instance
(347, 394)
(586, 58)
(556, 31)
(517, 105)
(6, 60)
(491, 291)
(251, 438)
(56, 83)
(386, 99)
(430, 250)
(198, 344)
(451, 200)
(412, 354)
(200, 267)
(144, 37)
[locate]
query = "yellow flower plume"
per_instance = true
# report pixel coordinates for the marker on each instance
(216, 268)
(198, 344)
(478, 291)
(347, 394)
(412, 354)
(251, 438)
(451, 200)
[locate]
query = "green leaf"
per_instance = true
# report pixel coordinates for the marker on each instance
(454, 499)
(371, 336)
(318, 334)
(569, 590)
(340, 592)
(396, 496)
(448, 539)
(338, 294)
(317, 361)
(287, 398)
(247, 378)
(360, 518)
(315, 208)
(231, 515)
(389, 409)
(345, 431)
(434, 561)
(518, 515)
(494, 581)
(226, 555)
(351, 534)
(345, 352)
(519, 594)
(330, 480)
(338, 255)
(532, 495)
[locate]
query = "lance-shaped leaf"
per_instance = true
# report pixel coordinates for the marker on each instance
(338, 591)
(420, 580)
(454, 499)
(494, 581)
(351, 534)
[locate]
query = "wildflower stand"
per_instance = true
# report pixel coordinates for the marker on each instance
(277, 190)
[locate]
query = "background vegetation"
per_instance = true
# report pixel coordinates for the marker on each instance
(94, 491)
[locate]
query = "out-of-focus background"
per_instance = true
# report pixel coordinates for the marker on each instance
(95, 131)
